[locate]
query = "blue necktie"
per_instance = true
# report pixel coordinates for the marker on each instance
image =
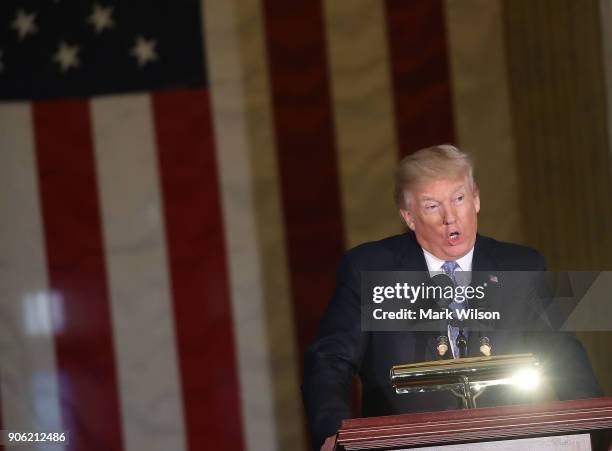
(449, 268)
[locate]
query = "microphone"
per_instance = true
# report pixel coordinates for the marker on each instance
(485, 346)
(461, 344)
(440, 282)
(442, 347)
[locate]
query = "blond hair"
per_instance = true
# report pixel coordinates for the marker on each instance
(432, 163)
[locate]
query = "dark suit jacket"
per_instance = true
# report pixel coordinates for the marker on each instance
(343, 350)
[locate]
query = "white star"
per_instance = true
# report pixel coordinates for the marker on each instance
(101, 18)
(144, 51)
(24, 24)
(67, 56)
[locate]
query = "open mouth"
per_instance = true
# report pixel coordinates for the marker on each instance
(454, 237)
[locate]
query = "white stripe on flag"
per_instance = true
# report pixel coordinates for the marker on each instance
(475, 31)
(244, 260)
(363, 117)
(29, 386)
(136, 261)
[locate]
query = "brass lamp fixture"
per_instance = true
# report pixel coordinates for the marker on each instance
(467, 377)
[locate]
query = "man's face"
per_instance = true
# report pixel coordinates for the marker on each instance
(443, 215)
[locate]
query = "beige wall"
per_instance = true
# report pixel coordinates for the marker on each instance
(554, 54)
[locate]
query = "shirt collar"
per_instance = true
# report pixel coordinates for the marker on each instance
(435, 264)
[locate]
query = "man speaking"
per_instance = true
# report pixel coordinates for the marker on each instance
(439, 201)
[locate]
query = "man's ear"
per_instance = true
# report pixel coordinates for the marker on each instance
(407, 217)
(476, 195)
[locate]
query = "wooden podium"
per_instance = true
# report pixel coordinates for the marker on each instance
(492, 425)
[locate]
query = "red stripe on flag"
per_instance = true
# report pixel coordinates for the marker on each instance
(77, 275)
(306, 153)
(198, 268)
(420, 73)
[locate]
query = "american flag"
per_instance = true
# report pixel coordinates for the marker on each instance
(66, 48)
(177, 182)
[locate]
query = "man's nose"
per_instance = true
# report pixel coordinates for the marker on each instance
(449, 216)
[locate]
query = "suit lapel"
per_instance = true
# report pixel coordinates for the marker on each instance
(484, 270)
(411, 258)
(483, 259)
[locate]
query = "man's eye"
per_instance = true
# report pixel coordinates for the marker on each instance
(431, 207)
(459, 198)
